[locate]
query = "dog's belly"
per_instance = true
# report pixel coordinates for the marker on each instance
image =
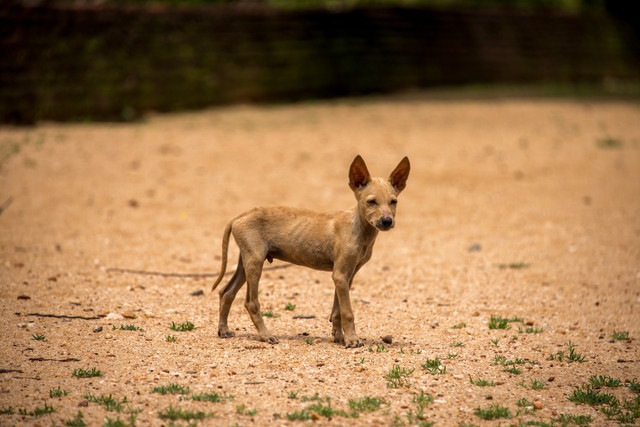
(304, 256)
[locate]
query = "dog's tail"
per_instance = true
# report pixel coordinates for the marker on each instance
(225, 248)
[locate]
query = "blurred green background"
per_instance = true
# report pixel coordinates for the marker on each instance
(117, 59)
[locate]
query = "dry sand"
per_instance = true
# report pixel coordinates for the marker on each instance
(524, 208)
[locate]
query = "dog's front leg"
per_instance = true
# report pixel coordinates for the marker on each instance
(336, 321)
(342, 279)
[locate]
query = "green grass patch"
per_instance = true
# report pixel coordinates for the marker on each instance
(514, 265)
(243, 410)
(398, 376)
(38, 411)
(599, 381)
(434, 367)
(182, 327)
(172, 388)
(290, 307)
(175, 414)
(366, 404)
(76, 421)
(38, 337)
(590, 396)
(171, 338)
(321, 408)
(609, 143)
(571, 356)
(109, 402)
(86, 373)
(210, 397)
(497, 322)
(493, 412)
(123, 327)
(620, 336)
(57, 392)
(481, 382)
(269, 314)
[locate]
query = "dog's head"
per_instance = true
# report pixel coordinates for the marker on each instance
(378, 197)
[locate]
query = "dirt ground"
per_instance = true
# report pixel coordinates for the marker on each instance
(524, 209)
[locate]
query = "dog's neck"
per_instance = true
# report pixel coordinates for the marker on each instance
(361, 227)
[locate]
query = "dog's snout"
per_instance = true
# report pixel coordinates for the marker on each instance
(385, 223)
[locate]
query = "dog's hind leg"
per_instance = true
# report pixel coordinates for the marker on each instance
(253, 269)
(227, 295)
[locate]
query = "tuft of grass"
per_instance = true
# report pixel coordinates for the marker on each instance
(457, 344)
(171, 338)
(380, 348)
(123, 327)
(514, 265)
(309, 341)
(571, 419)
(634, 386)
(37, 412)
(7, 411)
(209, 397)
(269, 314)
(321, 408)
(459, 325)
(293, 394)
(243, 410)
(609, 143)
(572, 356)
(77, 421)
(172, 388)
(86, 373)
(493, 412)
(587, 395)
(110, 403)
(366, 404)
(481, 383)
(497, 322)
(495, 341)
(290, 307)
(38, 337)
(620, 336)
(530, 330)
(599, 381)
(524, 403)
(174, 414)
(510, 365)
(398, 376)
(120, 423)
(422, 400)
(57, 392)
(182, 327)
(537, 385)
(434, 366)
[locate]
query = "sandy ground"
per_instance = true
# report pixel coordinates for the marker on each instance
(518, 208)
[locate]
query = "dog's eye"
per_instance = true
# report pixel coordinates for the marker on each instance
(393, 202)
(372, 202)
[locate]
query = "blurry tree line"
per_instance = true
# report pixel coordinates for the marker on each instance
(564, 5)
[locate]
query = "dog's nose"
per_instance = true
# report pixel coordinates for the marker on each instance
(386, 222)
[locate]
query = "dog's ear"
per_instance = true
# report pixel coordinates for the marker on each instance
(398, 177)
(358, 174)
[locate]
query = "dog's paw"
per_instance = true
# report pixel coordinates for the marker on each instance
(225, 333)
(338, 337)
(354, 343)
(271, 339)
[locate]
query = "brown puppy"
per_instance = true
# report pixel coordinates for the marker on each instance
(340, 242)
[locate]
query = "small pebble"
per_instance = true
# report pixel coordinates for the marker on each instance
(537, 405)
(98, 329)
(387, 339)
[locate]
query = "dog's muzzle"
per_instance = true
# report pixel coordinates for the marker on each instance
(385, 223)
